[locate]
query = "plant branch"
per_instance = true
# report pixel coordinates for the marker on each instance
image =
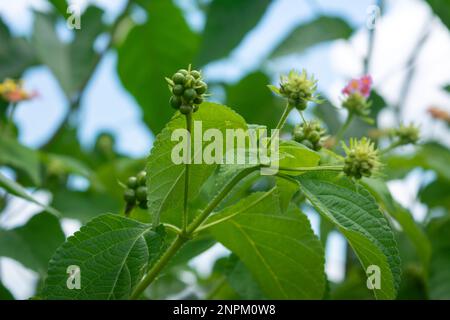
(281, 122)
(185, 236)
(153, 273)
(186, 172)
(318, 168)
(411, 69)
(394, 145)
(344, 127)
(75, 100)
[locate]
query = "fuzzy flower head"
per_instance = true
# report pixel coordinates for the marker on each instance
(298, 89)
(356, 93)
(406, 134)
(361, 158)
(12, 91)
(361, 86)
(310, 134)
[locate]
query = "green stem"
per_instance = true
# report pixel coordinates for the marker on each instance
(303, 118)
(318, 168)
(344, 127)
(183, 237)
(217, 199)
(281, 122)
(391, 147)
(153, 273)
(186, 173)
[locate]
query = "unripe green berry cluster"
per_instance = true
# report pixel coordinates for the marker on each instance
(361, 158)
(309, 134)
(136, 191)
(188, 90)
(298, 89)
(357, 104)
(406, 134)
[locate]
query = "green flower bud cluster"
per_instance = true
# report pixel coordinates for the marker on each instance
(310, 134)
(298, 89)
(406, 134)
(188, 90)
(136, 191)
(361, 158)
(357, 104)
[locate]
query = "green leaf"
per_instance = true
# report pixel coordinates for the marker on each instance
(16, 55)
(60, 6)
(34, 243)
(251, 99)
(439, 273)
(71, 63)
(166, 179)
(228, 21)
(431, 156)
(435, 194)
(294, 154)
(112, 252)
(14, 154)
(314, 32)
(356, 215)
(415, 234)
(241, 279)
(4, 293)
(442, 9)
(280, 250)
(84, 205)
(151, 52)
(16, 189)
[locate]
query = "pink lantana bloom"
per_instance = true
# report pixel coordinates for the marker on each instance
(361, 86)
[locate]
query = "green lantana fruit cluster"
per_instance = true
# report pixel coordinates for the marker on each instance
(357, 104)
(310, 134)
(361, 158)
(136, 192)
(188, 90)
(406, 134)
(298, 89)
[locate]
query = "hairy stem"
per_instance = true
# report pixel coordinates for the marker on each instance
(153, 273)
(318, 168)
(186, 172)
(218, 198)
(344, 127)
(185, 236)
(394, 145)
(281, 122)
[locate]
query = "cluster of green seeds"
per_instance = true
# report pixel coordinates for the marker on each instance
(310, 134)
(299, 89)
(406, 134)
(136, 191)
(357, 104)
(361, 158)
(188, 90)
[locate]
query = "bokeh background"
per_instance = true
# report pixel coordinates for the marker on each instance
(92, 86)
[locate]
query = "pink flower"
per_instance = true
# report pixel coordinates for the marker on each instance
(361, 86)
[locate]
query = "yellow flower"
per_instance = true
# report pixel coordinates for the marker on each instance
(13, 91)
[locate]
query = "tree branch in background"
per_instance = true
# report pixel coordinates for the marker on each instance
(411, 69)
(75, 100)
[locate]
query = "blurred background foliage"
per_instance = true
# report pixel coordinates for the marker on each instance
(82, 182)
